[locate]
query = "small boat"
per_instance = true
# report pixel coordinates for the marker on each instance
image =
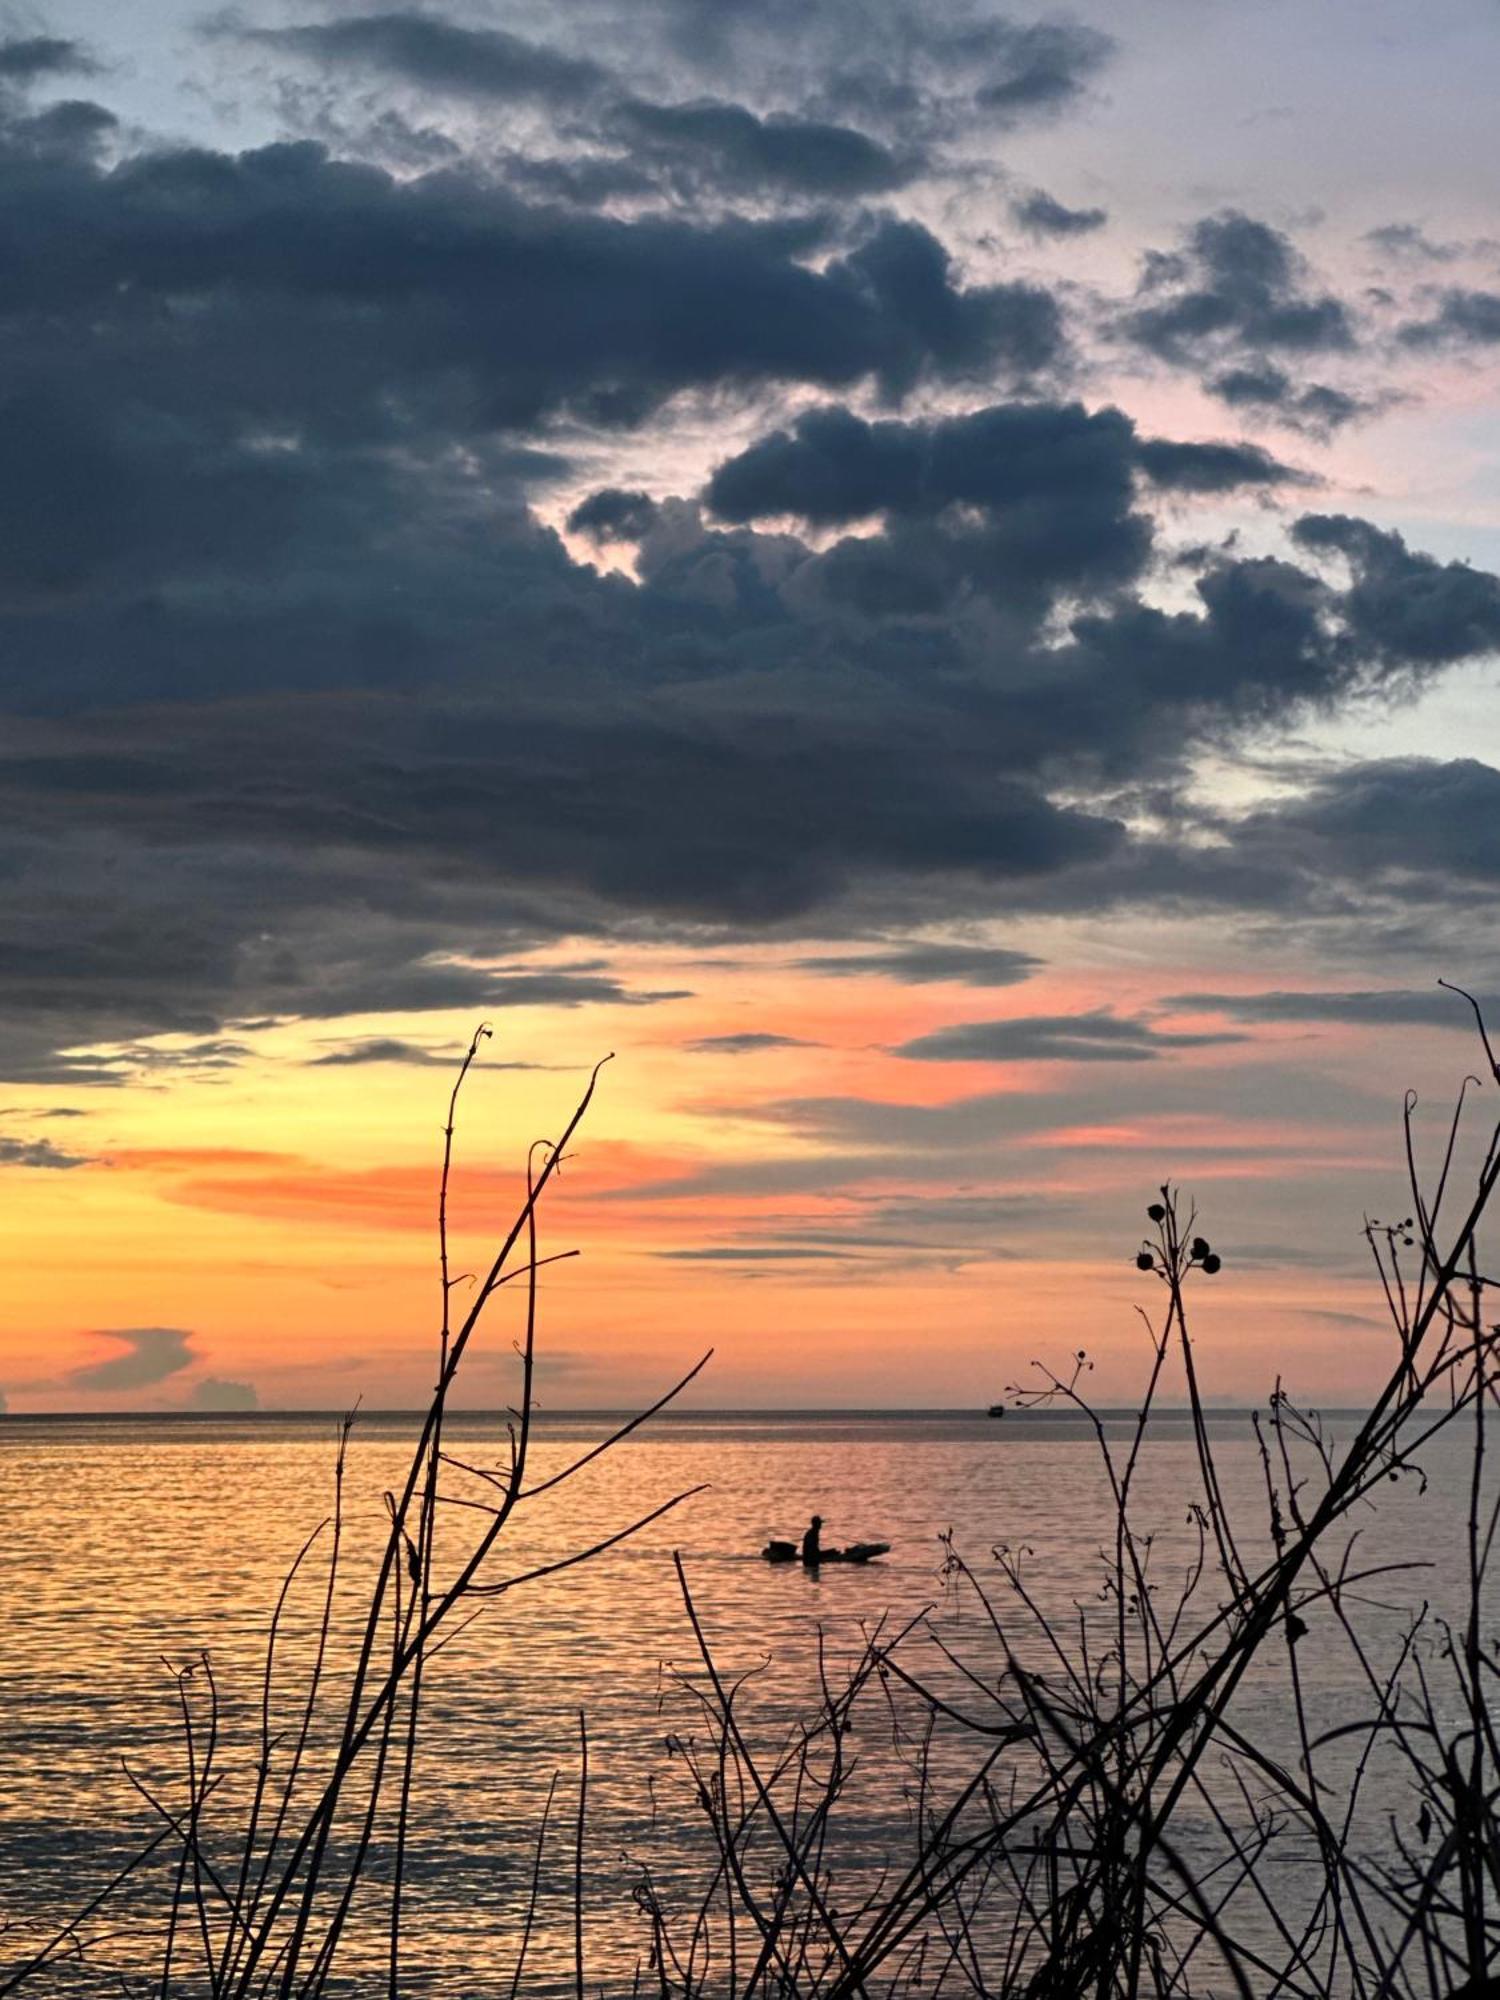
(996, 1410)
(857, 1552)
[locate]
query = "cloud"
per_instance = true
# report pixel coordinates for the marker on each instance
(1269, 390)
(1429, 825)
(750, 1253)
(1235, 282)
(1037, 66)
(39, 1153)
(1044, 473)
(1212, 467)
(383, 1049)
(1042, 215)
(1372, 1007)
(433, 53)
(389, 1049)
(612, 514)
(1402, 606)
(736, 149)
(748, 1044)
(929, 964)
(728, 144)
(150, 1354)
(855, 1228)
(214, 1393)
(381, 274)
(902, 65)
(1464, 318)
(242, 385)
(25, 58)
(1408, 239)
(1094, 1037)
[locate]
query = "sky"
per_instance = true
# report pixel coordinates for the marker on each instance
(924, 576)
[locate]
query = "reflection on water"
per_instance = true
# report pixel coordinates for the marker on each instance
(130, 1543)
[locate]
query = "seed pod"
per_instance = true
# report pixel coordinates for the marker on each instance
(1212, 1262)
(1144, 1261)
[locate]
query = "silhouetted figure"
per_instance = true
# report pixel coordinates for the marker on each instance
(812, 1553)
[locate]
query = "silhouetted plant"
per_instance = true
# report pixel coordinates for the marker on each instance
(1090, 1804)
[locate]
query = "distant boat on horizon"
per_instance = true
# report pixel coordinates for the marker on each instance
(996, 1410)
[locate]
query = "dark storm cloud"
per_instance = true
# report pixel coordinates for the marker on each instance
(907, 65)
(1236, 282)
(150, 1355)
(25, 58)
(438, 54)
(309, 715)
(1382, 1007)
(1462, 319)
(732, 147)
(1095, 1037)
(1212, 467)
(1402, 606)
(1412, 819)
(1055, 466)
(1043, 215)
(613, 514)
(930, 964)
(740, 151)
(337, 309)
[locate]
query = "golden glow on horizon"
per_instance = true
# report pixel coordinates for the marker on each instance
(845, 1224)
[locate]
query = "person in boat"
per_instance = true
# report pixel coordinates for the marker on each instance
(812, 1553)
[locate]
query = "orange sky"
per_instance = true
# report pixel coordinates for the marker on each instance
(843, 1224)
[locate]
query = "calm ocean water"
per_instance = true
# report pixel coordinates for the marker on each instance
(133, 1542)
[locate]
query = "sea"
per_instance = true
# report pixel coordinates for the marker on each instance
(136, 1547)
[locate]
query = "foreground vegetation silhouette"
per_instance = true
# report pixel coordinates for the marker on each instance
(1095, 1801)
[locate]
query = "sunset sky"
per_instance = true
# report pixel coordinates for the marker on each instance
(922, 575)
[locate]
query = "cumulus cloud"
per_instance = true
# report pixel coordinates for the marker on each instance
(1235, 282)
(214, 1393)
(242, 385)
(1045, 466)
